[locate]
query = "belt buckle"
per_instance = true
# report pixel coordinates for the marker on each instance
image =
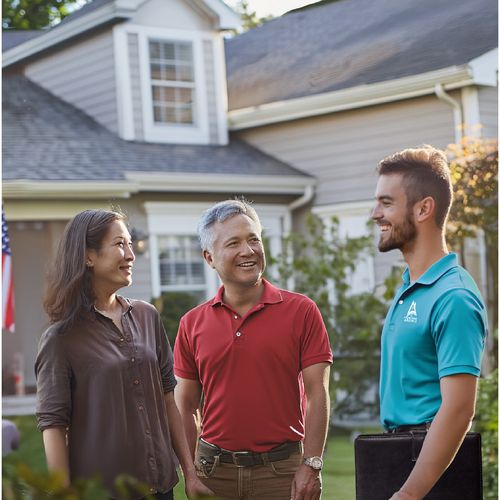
(237, 454)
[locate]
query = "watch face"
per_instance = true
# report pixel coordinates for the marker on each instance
(314, 462)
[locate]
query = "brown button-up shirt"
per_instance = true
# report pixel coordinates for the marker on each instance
(107, 388)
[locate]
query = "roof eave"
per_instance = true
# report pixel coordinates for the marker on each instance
(15, 189)
(160, 182)
(480, 71)
(109, 13)
(220, 183)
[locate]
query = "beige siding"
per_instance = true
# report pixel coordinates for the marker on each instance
(208, 59)
(488, 110)
(342, 149)
(176, 14)
(135, 77)
(30, 268)
(83, 75)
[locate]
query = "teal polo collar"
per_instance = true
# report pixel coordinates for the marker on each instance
(435, 271)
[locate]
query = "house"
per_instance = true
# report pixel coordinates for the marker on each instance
(333, 88)
(126, 102)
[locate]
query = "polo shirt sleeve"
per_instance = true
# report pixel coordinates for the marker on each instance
(315, 347)
(53, 379)
(165, 356)
(184, 361)
(458, 325)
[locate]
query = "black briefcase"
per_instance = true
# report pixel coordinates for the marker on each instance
(384, 462)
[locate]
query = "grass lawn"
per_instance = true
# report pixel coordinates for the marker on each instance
(338, 474)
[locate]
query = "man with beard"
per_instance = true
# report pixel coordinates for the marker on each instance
(434, 332)
(260, 357)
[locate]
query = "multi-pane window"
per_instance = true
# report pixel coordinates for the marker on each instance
(172, 81)
(182, 267)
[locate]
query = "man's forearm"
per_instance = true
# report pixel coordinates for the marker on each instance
(445, 435)
(316, 424)
(440, 447)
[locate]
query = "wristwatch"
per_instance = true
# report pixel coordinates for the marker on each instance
(315, 463)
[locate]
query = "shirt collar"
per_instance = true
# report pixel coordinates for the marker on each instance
(270, 295)
(435, 271)
(124, 302)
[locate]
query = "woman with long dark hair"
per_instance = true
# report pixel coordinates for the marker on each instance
(105, 369)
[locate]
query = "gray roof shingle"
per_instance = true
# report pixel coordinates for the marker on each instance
(12, 37)
(44, 138)
(354, 42)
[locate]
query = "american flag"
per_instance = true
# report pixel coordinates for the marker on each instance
(7, 286)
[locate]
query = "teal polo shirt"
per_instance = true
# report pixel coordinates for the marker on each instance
(435, 327)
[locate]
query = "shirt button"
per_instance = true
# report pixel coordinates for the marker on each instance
(400, 302)
(136, 382)
(140, 407)
(235, 317)
(238, 334)
(121, 339)
(132, 359)
(147, 432)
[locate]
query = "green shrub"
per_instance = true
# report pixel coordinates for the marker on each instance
(486, 422)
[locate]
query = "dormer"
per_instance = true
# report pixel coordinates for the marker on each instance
(148, 70)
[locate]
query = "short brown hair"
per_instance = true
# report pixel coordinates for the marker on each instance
(425, 172)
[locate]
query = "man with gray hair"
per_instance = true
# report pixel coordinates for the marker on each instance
(260, 356)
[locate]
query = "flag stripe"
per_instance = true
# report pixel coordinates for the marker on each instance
(7, 284)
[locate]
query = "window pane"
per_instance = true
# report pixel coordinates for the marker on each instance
(185, 115)
(168, 50)
(154, 50)
(156, 71)
(184, 96)
(158, 114)
(184, 73)
(184, 52)
(170, 73)
(181, 262)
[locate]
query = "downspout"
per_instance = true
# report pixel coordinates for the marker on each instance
(303, 200)
(287, 221)
(457, 110)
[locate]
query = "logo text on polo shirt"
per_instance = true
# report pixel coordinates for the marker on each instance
(411, 315)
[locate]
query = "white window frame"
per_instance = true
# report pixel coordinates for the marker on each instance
(174, 84)
(199, 132)
(181, 219)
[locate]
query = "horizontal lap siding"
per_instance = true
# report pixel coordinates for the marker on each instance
(83, 75)
(135, 77)
(488, 110)
(342, 149)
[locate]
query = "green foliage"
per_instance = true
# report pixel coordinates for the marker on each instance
(474, 170)
(172, 306)
(486, 422)
(19, 481)
(36, 14)
(249, 18)
(320, 264)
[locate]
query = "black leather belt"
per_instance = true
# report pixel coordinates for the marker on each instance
(409, 428)
(208, 452)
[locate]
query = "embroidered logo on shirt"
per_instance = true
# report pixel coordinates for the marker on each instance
(411, 315)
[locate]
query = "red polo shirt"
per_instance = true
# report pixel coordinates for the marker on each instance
(250, 367)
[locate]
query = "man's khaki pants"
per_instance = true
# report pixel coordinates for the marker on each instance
(272, 481)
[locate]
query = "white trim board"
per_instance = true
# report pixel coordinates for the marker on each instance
(479, 71)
